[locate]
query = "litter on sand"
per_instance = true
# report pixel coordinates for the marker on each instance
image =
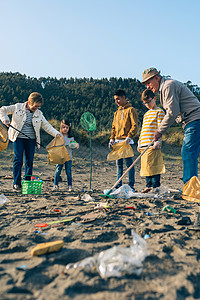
(87, 197)
(196, 227)
(125, 192)
(45, 248)
(3, 199)
(117, 261)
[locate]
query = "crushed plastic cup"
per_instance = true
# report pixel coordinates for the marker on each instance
(3, 199)
(117, 261)
(87, 197)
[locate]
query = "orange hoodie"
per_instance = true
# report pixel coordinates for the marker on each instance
(125, 122)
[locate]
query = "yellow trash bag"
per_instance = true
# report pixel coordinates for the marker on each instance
(152, 162)
(191, 190)
(58, 153)
(3, 137)
(120, 150)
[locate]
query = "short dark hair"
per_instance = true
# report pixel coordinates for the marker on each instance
(147, 94)
(120, 93)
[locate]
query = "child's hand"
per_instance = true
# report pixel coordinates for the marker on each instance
(111, 143)
(156, 145)
(77, 146)
(128, 140)
(138, 148)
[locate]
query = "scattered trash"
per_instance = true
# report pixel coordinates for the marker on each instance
(125, 192)
(162, 189)
(155, 213)
(101, 204)
(45, 248)
(57, 210)
(36, 231)
(146, 236)
(175, 191)
(3, 199)
(86, 197)
(184, 221)
(117, 261)
(54, 222)
(22, 268)
(169, 208)
(196, 227)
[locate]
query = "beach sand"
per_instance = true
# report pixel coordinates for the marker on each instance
(170, 271)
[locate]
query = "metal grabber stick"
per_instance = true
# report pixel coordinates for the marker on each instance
(130, 167)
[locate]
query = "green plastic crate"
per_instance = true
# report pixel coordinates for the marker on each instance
(32, 186)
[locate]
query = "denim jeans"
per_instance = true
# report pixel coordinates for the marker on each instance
(190, 150)
(153, 181)
(68, 170)
(131, 173)
(22, 147)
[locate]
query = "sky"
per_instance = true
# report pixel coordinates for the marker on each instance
(100, 38)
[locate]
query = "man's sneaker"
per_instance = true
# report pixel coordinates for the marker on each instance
(70, 188)
(16, 187)
(55, 188)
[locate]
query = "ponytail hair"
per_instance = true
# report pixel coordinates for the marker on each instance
(66, 122)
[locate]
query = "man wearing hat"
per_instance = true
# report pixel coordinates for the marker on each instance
(182, 106)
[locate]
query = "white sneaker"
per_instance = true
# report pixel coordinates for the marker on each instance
(55, 188)
(70, 188)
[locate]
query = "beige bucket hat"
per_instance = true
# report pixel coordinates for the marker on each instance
(149, 73)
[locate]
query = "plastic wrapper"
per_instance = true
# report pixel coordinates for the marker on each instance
(120, 150)
(3, 199)
(191, 190)
(125, 192)
(117, 261)
(58, 153)
(87, 197)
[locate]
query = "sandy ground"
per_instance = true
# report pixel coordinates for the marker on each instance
(170, 271)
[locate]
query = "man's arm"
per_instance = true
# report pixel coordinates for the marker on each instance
(170, 102)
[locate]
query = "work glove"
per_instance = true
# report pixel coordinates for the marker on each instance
(111, 143)
(128, 140)
(6, 122)
(156, 145)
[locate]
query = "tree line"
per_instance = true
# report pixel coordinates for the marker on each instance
(70, 98)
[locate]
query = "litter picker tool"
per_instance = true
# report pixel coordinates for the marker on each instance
(107, 195)
(88, 123)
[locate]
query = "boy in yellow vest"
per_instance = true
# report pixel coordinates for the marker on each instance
(151, 162)
(124, 128)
